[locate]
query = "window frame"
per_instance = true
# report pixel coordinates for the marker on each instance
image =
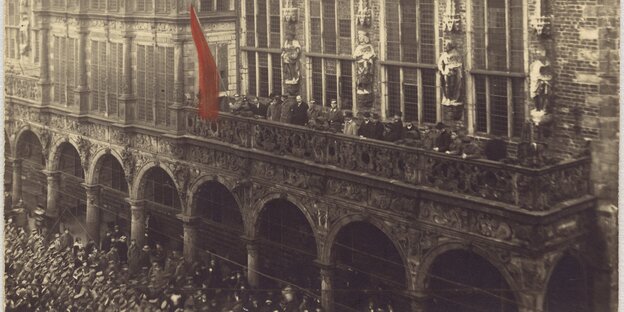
(419, 65)
(509, 74)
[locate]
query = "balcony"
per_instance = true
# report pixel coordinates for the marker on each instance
(529, 189)
(22, 87)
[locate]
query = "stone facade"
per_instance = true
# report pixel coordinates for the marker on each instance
(522, 220)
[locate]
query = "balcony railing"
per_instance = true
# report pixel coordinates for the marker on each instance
(526, 188)
(22, 87)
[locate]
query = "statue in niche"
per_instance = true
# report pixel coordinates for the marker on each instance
(24, 28)
(290, 56)
(364, 57)
(540, 91)
(451, 70)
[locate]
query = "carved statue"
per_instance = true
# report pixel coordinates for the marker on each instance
(540, 84)
(451, 70)
(24, 30)
(364, 57)
(290, 56)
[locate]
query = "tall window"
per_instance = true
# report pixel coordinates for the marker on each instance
(144, 5)
(106, 75)
(498, 63)
(410, 59)
(11, 27)
(65, 69)
(155, 67)
(263, 46)
(330, 37)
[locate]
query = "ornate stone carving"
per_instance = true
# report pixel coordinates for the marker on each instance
(129, 164)
(290, 12)
(45, 138)
(347, 190)
(23, 87)
(530, 273)
(84, 148)
(145, 142)
(491, 227)
(365, 56)
(363, 15)
(182, 175)
(443, 216)
(450, 19)
(451, 71)
(291, 51)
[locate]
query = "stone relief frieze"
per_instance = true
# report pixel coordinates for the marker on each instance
(443, 216)
(347, 190)
(144, 142)
(200, 155)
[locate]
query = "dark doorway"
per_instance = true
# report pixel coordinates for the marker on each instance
(568, 287)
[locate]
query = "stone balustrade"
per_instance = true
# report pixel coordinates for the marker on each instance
(532, 189)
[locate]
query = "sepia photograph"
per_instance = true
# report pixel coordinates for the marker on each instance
(310, 155)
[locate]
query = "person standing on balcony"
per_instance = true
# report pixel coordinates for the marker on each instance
(378, 128)
(286, 112)
(299, 112)
(335, 116)
(395, 129)
(350, 126)
(444, 140)
(366, 128)
(259, 109)
(274, 110)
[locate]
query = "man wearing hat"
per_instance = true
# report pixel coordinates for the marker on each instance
(395, 128)
(122, 249)
(134, 255)
(350, 126)
(444, 140)
(67, 240)
(144, 257)
(335, 116)
(287, 104)
(366, 129)
(378, 127)
(107, 241)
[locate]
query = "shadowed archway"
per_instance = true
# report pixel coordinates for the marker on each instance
(221, 225)
(568, 287)
(34, 187)
(287, 245)
(113, 206)
(162, 203)
(460, 280)
(72, 198)
(370, 270)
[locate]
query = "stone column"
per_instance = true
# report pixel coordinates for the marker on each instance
(16, 192)
(327, 295)
(252, 264)
(52, 213)
(190, 237)
(126, 99)
(44, 64)
(81, 95)
(418, 301)
(93, 212)
(531, 301)
(177, 109)
(137, 227)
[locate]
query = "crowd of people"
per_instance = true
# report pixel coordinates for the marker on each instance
(293, 110)
(59, 273)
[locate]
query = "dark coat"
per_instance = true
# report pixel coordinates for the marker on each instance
(299, 114)
(367, 130)
(260, 110)
(395, 132)
(495, 149)
(106, 243)
(134, 255)
(443, 142)
(122, 249)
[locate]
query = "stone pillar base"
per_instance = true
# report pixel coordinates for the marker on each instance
(453, 116)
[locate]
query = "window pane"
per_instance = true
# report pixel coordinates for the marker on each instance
(261, 23)
(408, 31)
(275, 24)
(497, 38)
(263, 68)
(518, 106)
(250, 22)
(392, 29)
(394, 89)
(223, 5)
(427, 31)
(346, 81)
(317, 79)
(251, 70)
(329, 26)
(480, 104)
(315, 25)
(498, 105)
(429, 95)
(517, 40)
(276, 60)
(478, 35)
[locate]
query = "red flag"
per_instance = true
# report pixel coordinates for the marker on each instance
(208, 73)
